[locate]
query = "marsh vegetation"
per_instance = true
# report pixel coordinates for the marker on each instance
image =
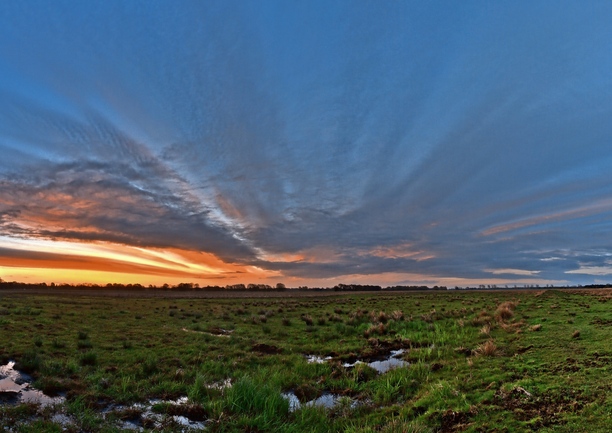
(453, 361)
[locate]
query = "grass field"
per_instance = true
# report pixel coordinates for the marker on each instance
(499, 361)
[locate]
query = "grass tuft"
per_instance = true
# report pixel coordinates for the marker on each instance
(88, 358)
(488, 348)
(486, 330)
(307, 319)
(505, 311)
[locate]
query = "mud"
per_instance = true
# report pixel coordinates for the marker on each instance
(215, 330)
(266, 349)
(547, 409)
(454, 421)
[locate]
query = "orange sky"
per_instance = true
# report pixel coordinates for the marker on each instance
(101, 263)
(36, 261)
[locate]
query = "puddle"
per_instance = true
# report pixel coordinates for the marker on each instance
(15, 388)
(315, 359)
(146, 419)
(383, 365)
(63, 419)
(327, 401)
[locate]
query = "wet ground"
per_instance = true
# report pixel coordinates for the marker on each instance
(329, 400)
(326, 400)
(179, 415)
(16, 388)
(381, 363)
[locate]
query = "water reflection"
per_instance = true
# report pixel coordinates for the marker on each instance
(327, 401)
(147, 415)
(384, 365)
(381, 366)
(15, 388)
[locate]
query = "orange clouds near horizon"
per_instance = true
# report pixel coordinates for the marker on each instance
(48, 261)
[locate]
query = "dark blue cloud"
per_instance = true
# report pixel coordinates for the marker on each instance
(474, 137)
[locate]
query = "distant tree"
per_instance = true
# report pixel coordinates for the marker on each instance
(280, 286)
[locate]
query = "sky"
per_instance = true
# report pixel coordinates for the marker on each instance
(310, 143)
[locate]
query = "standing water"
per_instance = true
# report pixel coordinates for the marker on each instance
(15, 388)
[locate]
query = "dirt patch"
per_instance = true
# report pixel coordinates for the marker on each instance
(215, 330)
(131, 415)
(193, 412)
(547, 409)
(266, 349)
(380, 349)
(436, 366)
(347, 392)
(572, 365)
(522, 350)
(306, 393)
(454, 421)
(599, 322)
(9, 397)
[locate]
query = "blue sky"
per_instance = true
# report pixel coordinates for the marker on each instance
(308, 142)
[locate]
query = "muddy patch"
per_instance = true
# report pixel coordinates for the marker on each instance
(452, 421)
(15, 388)
(266, 349)
(601, 322)
(548, 409)
(219, 332)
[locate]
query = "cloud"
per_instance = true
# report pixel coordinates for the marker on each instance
(454, 142)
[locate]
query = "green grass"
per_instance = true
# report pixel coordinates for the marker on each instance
(478, 361)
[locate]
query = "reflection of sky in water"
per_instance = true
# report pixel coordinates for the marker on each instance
(327, 401)
(387, 364)
(13, 382)
(384, 365)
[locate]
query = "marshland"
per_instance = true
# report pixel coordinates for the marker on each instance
(454, 361)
